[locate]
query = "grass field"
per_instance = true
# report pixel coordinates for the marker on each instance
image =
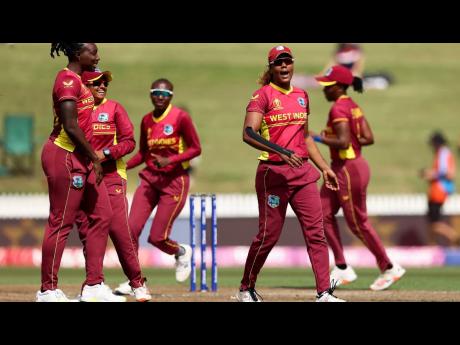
(433, 284)
(215, 82)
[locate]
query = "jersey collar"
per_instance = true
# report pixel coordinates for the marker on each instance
(97, 106)
(280, 89)
(66, 69)
(166, 112)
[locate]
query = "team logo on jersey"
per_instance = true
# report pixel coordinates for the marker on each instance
(277, 104)
(68, 83)
(168, 129)
(118, 190)
(273, 201)
(301, 102)
(103, 117)
(77, 181)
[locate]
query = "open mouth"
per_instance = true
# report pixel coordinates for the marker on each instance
(284, 74)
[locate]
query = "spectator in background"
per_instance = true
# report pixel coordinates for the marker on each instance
(440, 178)
(349, 55)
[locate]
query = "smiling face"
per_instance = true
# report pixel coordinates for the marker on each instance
(161, 95)
(282, 70)
(99, 89)
(88, 57)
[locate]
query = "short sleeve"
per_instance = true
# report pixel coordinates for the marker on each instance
(258, 102)
(339, 114)
(67, 87)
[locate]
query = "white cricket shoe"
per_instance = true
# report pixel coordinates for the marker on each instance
(343, 277)
(52, 296)
(327, 296)
(249, 295)
(387, 278)
(142, 294)
(124, 289)
(183, 264)
(99, 293)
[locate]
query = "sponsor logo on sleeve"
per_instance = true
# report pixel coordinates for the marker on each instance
(68, 83)
(302, 102)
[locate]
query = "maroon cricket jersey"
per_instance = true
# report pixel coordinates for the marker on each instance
(112, 129)
(68, 86)
(171, 135)
(285, 113)
(344, 109)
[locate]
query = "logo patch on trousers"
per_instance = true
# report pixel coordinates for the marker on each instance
(273, 201)
(77, 181)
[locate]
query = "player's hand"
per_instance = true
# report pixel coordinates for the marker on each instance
(294, 161)
(98, 171)
(330, 179)
(160, 161)
(100, 155)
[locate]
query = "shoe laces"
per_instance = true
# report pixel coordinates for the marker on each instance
(254, 294)
(330, 290)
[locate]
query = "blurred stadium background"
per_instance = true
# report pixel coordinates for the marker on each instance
(214, 82)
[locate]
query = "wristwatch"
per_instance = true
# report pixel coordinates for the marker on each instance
(106, 153)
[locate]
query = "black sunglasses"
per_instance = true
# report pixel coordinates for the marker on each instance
(98, 83)
(279, 62)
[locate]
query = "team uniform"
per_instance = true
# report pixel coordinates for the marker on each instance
(285, 113)
(353, 175)
(72, 185)
(112, 129)
(441, 187)
(171, 135)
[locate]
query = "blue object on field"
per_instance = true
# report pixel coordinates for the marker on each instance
(452, 257)
(18, 142)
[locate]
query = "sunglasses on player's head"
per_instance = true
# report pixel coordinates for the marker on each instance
(161, 92)
(98, 83)
(278, 62)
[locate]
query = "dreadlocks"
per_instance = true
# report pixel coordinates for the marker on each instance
(69, 49)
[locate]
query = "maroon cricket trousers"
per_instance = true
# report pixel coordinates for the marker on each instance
(72, 185)
(121, 235)
(276, 186)
(353, 176)
(166, 191)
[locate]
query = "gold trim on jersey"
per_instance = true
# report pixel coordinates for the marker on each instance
(349, 153)
(121, 165)
(63, 141)
(182, 148)
(280, 89)
(97, 106)
(265, 133)
(286, 124)
(166, 112)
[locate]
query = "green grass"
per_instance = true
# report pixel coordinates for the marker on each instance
(416, 279)
(215, 82)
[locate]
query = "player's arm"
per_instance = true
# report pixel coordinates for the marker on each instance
(139, 157)
(125, 134)
(330, 179)
(343, 136)
(68, 117)
(366, 137)
(251, 127)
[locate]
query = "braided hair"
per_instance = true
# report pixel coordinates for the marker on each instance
(69, 49)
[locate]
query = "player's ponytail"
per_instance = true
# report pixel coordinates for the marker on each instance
(358, 84)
